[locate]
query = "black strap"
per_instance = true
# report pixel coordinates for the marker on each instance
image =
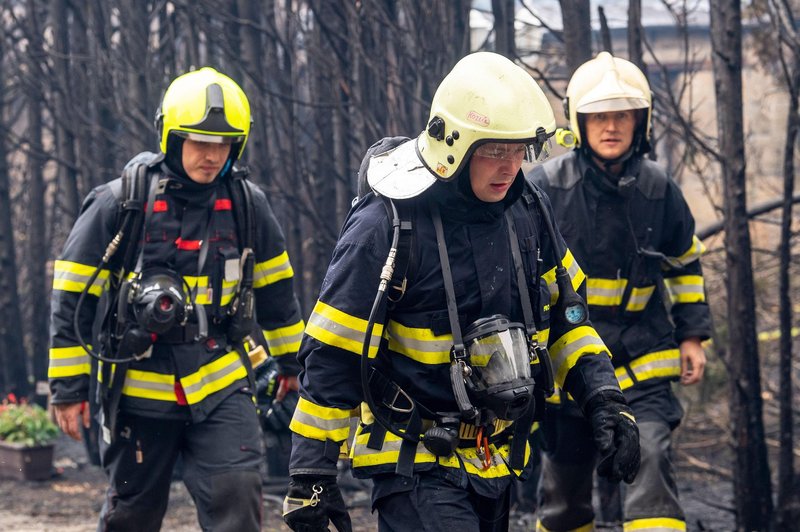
(408, 449)
(519, 268)
(519, 441)
(450, 293)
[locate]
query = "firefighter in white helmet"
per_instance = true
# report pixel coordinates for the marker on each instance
(450, 368)
(630, 228)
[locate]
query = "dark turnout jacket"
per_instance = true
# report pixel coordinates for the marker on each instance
(180, 216)
(635, 240)
(412, 341)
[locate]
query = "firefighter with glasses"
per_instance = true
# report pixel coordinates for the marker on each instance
(631, 230)
(450, 361)
(191, 270)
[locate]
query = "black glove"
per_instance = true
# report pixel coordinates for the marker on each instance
(615, 436)
(311, 501)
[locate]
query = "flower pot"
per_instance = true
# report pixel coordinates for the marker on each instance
(22, 462)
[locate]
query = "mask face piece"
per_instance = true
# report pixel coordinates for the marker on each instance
(499, 356)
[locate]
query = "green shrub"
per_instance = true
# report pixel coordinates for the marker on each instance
(27, 424)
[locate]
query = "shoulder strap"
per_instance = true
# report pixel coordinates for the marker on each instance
(134, 199)
(243, 210)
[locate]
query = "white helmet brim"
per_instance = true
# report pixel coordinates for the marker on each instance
(399, 173)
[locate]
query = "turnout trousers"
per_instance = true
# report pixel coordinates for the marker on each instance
(221, 457)
(428, 502)
(565, 488)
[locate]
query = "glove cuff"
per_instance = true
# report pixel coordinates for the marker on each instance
(603, 398)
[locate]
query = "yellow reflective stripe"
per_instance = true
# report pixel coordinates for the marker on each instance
(655, 524)
(320, 422)
(467, 458)
(686, 288)
(228, 291)
(284, 340)
(213, 377)
(566, 351)
(575, 273)
(474, 465)
(149, 385)
(73, 276)
(272, 271)
(639, 298)
(605, 292)
(696, 249)
(68, 362)
(543, 336)
(389, 452)
(339, 329)
(418, 344)
(659, 364)
(588, 527)
(199, 287)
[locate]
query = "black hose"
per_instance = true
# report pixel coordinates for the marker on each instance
(112, 248)
(380, 297)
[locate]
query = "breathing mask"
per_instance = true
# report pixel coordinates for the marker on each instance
(158, 301)
(499, 359)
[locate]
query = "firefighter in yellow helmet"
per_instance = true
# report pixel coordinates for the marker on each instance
(449, 360)
(192, 265)
(630, 228)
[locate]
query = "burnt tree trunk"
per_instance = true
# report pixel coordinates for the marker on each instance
(503, 11)
(37, 282)
(13, 370)
(577, 23)
(752, 489)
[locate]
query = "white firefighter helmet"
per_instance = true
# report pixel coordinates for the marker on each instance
(485, 98)
(607, 83)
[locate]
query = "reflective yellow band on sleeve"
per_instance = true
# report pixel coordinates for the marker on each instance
(68, 362)
(285, 340)
(272, 270)
(686, 289)
(320, 422)
(339, 329)
(576, 343)
(659, 364)
(73, 277)
(575, 273)
(695, 251)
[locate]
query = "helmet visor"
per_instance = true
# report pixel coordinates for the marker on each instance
(500, 356)
(205, 137)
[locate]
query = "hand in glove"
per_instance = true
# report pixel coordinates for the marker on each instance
(313, 500)
(615, 436)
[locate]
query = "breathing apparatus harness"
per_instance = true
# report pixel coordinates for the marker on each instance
(442, 438)
(158, 301)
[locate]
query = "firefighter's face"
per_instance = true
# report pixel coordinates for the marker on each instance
(493, 168)
(610, 134)
(203, 161)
